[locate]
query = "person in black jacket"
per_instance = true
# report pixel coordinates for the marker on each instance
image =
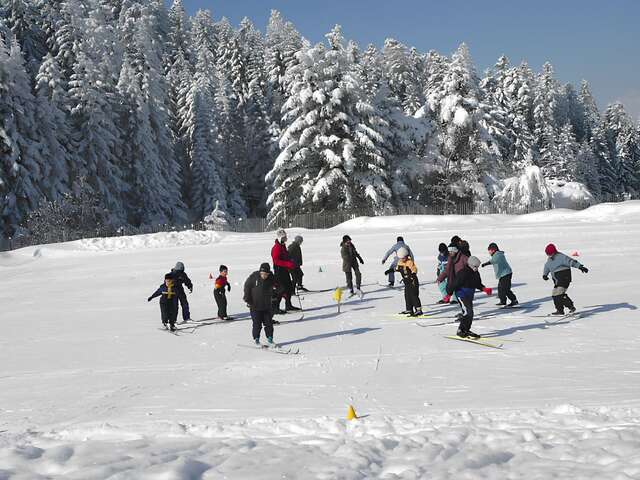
(181, 278)
(350, 258)
(258, 289)
(168, 301)
(295, 252)
(465, 284)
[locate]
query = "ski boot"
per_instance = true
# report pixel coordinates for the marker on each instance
(558, 313)
(513, 304)
(417, 313)
(257, 341)
(270, 341)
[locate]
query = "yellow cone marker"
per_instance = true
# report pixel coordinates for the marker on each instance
(351, 413)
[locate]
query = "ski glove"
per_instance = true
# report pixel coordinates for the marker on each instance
(486, 264)
(361, 261)
(447, 299)
(584, 269)
(545, 277)
(383, 262)
(149, 299)
(228, 287)
(487, 290)
(191, 290)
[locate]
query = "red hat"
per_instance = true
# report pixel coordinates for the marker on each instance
(551, 249)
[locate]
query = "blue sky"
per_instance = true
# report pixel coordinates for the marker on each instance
(595, 40)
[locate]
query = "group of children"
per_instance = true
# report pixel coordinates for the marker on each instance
(458, 279)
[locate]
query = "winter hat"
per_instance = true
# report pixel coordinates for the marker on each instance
(442, 248)
(399, 239)
(298, 239)
(265, 267)
(346, 238)
(280, 234)
(493, 246)
(453, 248)
(455, 239)
(473, 262)
(179, 267)
(168, 276)
(222, 268)
(403, 252)
(550, 249)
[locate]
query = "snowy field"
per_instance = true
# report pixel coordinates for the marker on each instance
(90, 388)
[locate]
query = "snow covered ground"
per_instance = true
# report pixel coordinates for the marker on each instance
(91, 389)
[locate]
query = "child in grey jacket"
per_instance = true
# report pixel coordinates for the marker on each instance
(503, 273)
(559, 266)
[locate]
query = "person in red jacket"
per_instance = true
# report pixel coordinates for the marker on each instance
(282, 268)
(220, 295)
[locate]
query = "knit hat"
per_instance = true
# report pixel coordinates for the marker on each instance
(223, 268)
(455, 239)
(179, 267)
(550, 249)
(399, 239)
(298, 239)
(265, 267)
(280, 234)
(493, 246)
(473, 262)
(168, 276)
(453, 248)
(403, 252)
(345, 238)
(442, 248)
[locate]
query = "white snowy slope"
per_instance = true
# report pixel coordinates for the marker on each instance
(90, 388)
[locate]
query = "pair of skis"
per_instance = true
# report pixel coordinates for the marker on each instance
(272, 348)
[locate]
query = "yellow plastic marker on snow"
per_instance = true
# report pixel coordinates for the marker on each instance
(351, 413)
(337, 296)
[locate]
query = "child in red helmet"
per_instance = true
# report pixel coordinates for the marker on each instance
(559, 266)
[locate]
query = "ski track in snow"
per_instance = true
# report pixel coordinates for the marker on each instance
(90, 389)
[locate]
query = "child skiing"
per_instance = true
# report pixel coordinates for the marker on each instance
(220, 295)
(295, 252)
(409, 271)
(503, 273)
(181, 278)
(559, 266)
(257, 295)
(168, 301)
(443, 259)
(282, 267)
(350, 258)
(465, 283)
(391, 272)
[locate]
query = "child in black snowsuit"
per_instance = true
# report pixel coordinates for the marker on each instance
(219, 293)
(168, 301)
(464, 284)
(181, 278)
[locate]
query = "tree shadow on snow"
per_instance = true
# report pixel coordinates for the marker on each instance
(322, 317)
(350, 302)
(311, 338)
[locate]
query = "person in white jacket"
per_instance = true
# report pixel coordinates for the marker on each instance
(391, 272)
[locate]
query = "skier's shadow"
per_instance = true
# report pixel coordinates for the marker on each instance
(311, 338)
(609, 307)
(322, 317)
(351, 302)
(520, 328)
(528, 306)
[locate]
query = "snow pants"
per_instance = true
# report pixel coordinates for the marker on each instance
(296, 275)
(392, 271)
(467, 313)
(504, 289)
(561, 299)
(221, 300)
(284, 288)
(349, 276)
(168, 310)
(412, 295)
(260, 318)
(184, 303)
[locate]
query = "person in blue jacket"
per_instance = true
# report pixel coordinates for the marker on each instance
(391, 272)
(168, 301)
(503, 273)
(559, 266)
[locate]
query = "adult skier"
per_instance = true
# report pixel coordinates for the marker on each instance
(181, 278)
(257, 295)
(282, 267)
(409, 271)
(503, 273)
(457, 262)
(394, 251)
(465, 284)
(295, 252)
(559, 266)
(168, 301)
(350, 258)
